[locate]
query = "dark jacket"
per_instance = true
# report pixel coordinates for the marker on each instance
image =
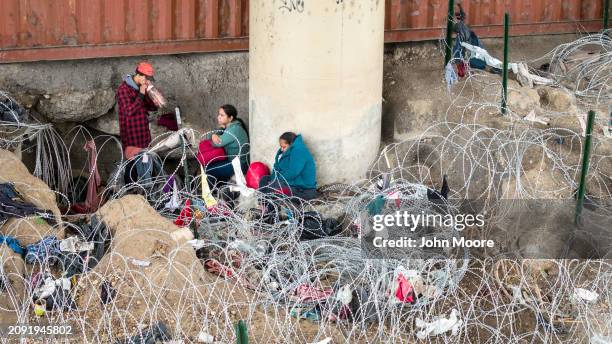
(296, 166)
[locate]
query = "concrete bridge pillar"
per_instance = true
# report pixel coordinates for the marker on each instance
(316, 68)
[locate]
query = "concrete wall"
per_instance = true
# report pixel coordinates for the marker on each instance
(84, 91)
(317, 70)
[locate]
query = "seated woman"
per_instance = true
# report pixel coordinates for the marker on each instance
(235, 142)
(294, 169)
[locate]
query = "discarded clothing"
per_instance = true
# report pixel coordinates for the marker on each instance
(74, 244)
(308, 293)
(168, 120)
(10, 111)
(314, 227)
(11, 205)
(450, 76)
(107, 292)
(313, 314)
(585, 295)
(184, 136)
(12, 243)
(55, 292)
(95, 232)
(524, 77)
(324, 341)
(479, 64)
(93, 201)
(361, 308)
(170, 183)
(405, 291)
(93, 180)
(3, 284)
(376, 206)
(61, 299)
(155, 334)
(461, 69)
(174, 202)
(465, 35)
(443, 194)
(209, 200)
(46, 250)
(184, 218)
(439, 326)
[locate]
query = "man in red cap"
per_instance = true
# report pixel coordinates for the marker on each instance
(133, 106)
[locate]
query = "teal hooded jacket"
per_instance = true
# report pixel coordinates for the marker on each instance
(235, 141)
(296, 166)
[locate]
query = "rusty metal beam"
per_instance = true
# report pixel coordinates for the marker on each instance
(241, 43)
(127, 49)
(405, 35)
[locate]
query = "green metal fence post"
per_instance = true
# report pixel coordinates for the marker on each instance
(449, 31)
(242, 336)
(606, 14)
(504, 103)
(585, 166)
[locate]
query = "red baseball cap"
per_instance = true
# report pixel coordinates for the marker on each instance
(146, 69)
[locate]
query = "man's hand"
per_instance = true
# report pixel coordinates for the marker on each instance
(216, 139)
(143, 88)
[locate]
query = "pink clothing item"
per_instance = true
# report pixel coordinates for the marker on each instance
(308, 293)
(92, 201)
(404, 290)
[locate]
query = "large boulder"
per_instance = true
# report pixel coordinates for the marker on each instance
(33, 190)
(13, 294)
(63, 91)
(556, 99)
(523, 100)
(76, 106)
(107, 123)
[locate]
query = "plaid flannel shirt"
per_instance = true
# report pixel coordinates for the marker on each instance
(133, 116)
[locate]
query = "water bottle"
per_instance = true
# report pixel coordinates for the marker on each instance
(156, 96)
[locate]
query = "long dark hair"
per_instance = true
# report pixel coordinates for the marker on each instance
(230, 111)
(288, 137)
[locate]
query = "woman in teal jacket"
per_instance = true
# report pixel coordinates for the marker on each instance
(294, 169)
(235, 142)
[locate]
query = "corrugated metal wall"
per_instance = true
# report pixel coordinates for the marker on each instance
(409, 20)
(65, 29)
(70, 29)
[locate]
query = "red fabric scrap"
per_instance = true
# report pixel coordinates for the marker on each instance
(461, 69)
(168, 120)
(185, 216)
(404, 291)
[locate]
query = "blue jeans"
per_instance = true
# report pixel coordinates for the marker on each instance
(220, 171)
(269, 185)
